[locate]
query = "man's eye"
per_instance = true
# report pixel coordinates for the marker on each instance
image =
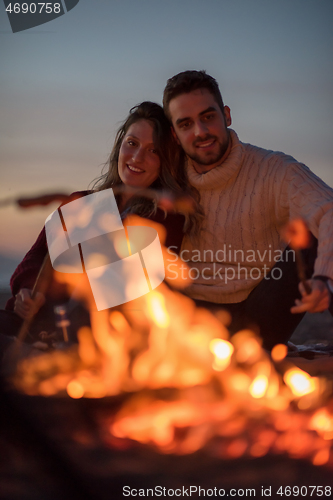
(209, 117)
(184, 125)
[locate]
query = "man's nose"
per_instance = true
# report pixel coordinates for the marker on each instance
(200, 129)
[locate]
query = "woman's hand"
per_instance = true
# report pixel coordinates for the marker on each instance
(25, 306)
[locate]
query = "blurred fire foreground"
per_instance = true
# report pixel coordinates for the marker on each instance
(168, 379)
(186, 384)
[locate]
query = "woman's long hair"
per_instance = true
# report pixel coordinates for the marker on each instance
(172, 176)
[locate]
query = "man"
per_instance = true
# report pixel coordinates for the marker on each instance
(248, 195)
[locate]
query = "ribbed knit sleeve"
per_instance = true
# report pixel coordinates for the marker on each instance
(308, 197)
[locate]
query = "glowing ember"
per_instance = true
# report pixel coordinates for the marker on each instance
(321, 457)
(279, 352)
(299, 382)
(75, 389)
(222, 350)
(322, 422)
(259, 386)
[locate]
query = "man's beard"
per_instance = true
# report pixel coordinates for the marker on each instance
(211, 157)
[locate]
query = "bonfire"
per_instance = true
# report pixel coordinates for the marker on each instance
(181, 384)
(187, 382)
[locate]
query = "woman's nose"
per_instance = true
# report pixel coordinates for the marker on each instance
(139, 155)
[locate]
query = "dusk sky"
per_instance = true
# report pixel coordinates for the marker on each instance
(67, 85)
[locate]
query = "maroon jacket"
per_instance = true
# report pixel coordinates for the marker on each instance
(26, 272)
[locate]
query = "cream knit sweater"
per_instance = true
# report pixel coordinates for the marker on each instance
(247, 200)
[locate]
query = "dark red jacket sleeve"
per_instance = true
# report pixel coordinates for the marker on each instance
(27, 271)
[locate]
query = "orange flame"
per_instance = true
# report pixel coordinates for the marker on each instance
(156, 307)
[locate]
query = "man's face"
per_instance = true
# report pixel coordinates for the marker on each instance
(201, 128)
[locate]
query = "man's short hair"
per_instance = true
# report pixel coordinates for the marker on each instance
(186, 82)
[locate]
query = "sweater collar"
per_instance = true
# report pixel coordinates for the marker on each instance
(222, 173)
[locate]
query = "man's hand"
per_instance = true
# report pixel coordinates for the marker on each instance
(317, 301)
(25, 306)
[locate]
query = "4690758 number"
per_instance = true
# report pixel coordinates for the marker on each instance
(34, 8)
(304, 491)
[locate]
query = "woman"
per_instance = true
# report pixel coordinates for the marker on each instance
(144, 155)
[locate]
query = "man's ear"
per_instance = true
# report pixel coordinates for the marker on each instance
(227, 115)
(175, 135)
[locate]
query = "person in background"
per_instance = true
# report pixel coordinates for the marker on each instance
(248, 195)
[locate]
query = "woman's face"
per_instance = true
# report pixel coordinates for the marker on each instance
(138, 162)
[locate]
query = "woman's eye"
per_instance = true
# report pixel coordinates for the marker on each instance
(154, 151)
(130, 142)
